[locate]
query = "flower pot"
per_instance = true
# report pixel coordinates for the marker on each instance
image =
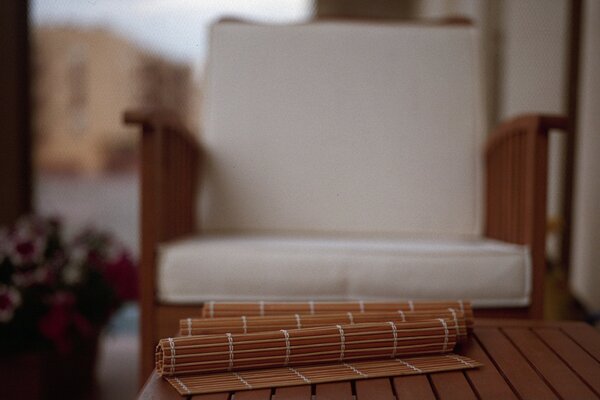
(48, 375)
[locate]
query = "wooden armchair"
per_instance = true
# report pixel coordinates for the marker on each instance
(174, 163)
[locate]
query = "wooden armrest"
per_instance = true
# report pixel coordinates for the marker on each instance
(516, 157)
(170, 157)
(538, 124)
(170, 161)
(159, 120)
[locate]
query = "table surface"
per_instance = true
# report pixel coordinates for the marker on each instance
(522, 359)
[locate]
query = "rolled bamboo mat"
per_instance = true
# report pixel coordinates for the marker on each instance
(214, 309)
(289, 376)
(288, 348)
(252, 324)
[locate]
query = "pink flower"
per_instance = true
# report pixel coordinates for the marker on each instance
(121, 273)
(25, 246)
(59, 324)
(10, 299)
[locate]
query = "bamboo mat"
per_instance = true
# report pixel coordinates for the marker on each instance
(214, 309)
(252, 324)
(229, 352)
(281, 377)
(313, 343)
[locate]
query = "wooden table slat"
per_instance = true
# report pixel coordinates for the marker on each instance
(293, 393)
(452, 385)
(374, 389)
(557, 374)
(586, 336)
(413, 387)
(215, 396)
(262, 394)
(580, 361)
(520, 323)
(487, 381)
(334, 391)
(524, 379)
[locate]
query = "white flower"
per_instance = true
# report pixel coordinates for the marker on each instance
(79, 254)
(72, 273)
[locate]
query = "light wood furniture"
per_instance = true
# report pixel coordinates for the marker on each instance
(516, 159)
(523, 359)
(286, 152)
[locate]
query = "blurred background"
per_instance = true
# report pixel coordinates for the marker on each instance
(73, 66)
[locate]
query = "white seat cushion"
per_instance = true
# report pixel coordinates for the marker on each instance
(490, 273)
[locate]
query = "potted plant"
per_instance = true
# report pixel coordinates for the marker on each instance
(56, 295)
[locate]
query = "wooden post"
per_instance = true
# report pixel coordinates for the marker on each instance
(15, 113)
(572, 91)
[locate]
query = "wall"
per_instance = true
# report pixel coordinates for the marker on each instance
(585, 260)
(84, 79)
(524, 45)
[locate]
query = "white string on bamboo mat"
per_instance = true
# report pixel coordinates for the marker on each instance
(342, 342)
(211, 309)
(361, 305)
(249, 386)
(453, 357)
(298, 323)
(356, 370)
(311, 305)
(295, 371)
(189, 326)
(261, 305)
(244, 323)
(182, 385)
(453, 312)
(288, 349)
(230, 342)
(411, 305)
(409, 365)
(350, 318)
(395, 333)
(445, 334)
(402, 315)
(172, 346)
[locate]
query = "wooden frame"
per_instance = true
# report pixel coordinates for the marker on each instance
(516, 171)
(16, 116)
(516, 191)
(170, 159)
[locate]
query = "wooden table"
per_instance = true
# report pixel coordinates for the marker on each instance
(523, 360)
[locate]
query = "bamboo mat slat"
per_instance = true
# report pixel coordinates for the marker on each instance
(289, 376)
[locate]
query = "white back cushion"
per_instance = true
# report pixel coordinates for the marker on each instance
(343, 127)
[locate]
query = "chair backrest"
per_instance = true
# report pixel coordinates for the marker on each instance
(352, 127)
